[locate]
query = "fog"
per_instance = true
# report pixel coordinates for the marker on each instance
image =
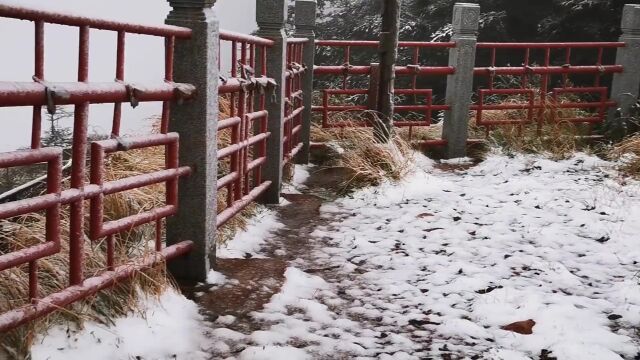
(144, 56)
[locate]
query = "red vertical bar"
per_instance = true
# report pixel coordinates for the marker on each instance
(567, 61)
(36, 128)
(168, 76)
(159, 235)
(264, 61)
(416, 59)
(111, 253)
(79, 150)
(325, 109)
(493, 64)
(525, 77)
(252, 56)
(599, 63)
(544, 87)
(234, 59)
(33, 280)
(347, 59)
(120, 56)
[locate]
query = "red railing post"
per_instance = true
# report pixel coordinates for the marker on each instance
(466, 19)
(195, 61)
(271, 16)
(626, 85)
(305, 20)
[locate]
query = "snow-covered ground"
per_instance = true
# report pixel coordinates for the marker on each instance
(429, 268)
(169, 327)
(435, 266)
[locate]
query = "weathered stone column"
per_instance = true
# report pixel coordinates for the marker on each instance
(305, 20)
(626, 85)
(466, 19)
(271, 16)
(196, 62)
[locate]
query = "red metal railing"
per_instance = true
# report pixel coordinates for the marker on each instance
(423, 98)
(242, 130)
(292, 143)
(81, 94)
(544, 90)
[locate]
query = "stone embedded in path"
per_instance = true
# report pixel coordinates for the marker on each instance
(521, 327)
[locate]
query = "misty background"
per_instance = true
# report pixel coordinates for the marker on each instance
(144, 57)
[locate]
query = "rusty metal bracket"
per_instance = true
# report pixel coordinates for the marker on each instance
(183, 92)
(131, 93)
(51, 93)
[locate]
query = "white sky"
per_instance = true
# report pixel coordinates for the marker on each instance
(144, 57)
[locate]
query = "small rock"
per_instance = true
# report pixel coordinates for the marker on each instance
(425, 215)
(521, 327)
(614, 317)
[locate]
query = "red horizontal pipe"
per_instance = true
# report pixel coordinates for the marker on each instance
(560, 45)
(249, 39)
(51, 303)
(29, 157)
(234, 148)
(23, 13)
(143, 180)
(543, 70)
(232, 85)
(366, 70)
(297, 40)
(26, 255)
(33, 94)
(402, 44)
(257, 162)
(130, 222)
(256, 115)
(293, 153)
(425, 70)
(227, 179)
(295, 72)
(138, 142)
(239, 205)
(507, 91)
(295, 113)
(227, 123)
(29, 205)
(524, 106)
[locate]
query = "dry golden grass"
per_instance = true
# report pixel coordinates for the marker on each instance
(547, 134)
(28, 230)
(628, 153)
(369, 161)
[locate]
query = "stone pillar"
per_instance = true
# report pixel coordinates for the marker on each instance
(271, 16)
(466, 19)
(305, 20)
(625, 87)
(196, 62)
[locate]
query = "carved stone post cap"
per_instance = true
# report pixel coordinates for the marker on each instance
(466, 17)
(631, 18)
(195, 4)
(305, 13)
(271, 12)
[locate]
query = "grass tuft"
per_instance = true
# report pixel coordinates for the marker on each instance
(357, 150)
